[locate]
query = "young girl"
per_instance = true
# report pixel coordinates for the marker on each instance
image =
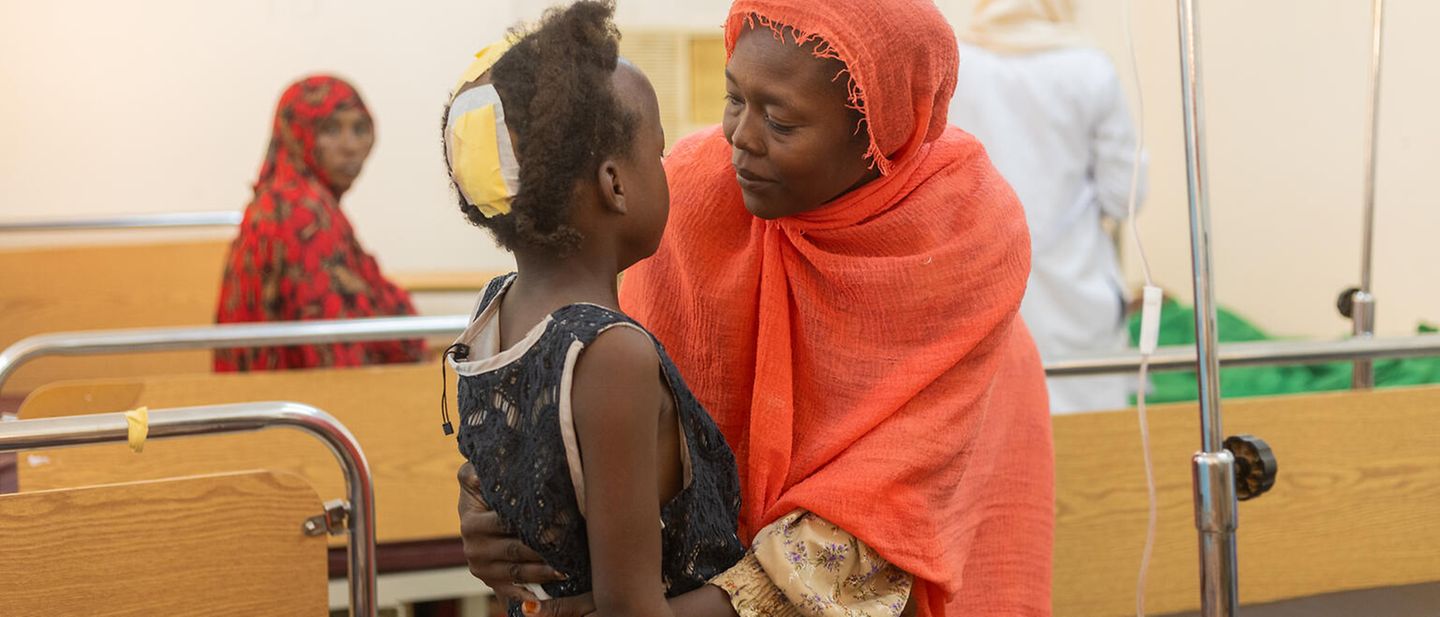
(586, 440)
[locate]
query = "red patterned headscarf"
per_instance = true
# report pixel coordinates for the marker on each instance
(303, 106)
(296, 256)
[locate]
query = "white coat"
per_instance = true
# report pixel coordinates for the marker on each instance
(1056, 126)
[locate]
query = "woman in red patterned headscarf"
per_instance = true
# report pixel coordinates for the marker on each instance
(296, 256)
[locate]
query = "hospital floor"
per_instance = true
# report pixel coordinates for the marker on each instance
(1408, 601)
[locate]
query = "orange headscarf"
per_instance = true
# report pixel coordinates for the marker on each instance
(865, 360)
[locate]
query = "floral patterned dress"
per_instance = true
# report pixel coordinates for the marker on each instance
(804, 566)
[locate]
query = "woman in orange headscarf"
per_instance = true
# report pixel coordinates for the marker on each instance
(296, 256)
(839, 283)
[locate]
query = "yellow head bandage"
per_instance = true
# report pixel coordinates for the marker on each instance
(485, 59)
(478, 147)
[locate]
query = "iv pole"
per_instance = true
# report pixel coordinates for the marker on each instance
(1361, 304)
(1213, 468)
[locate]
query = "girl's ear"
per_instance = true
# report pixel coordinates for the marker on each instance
(611, 187)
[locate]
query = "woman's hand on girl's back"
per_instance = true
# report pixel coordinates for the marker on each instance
(500, 560)
(573, 606)
(495, 555)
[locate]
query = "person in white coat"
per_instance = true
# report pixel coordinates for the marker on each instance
(1050, 111)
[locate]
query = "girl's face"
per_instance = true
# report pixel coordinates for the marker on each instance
(647, 192)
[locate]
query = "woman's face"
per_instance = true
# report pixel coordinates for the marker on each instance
(795, 143)
(342, 143)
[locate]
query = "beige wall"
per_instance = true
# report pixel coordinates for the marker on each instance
(165, 106)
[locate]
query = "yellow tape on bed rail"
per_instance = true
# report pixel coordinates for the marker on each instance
(138, 421)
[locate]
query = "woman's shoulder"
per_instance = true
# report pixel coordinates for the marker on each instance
(963, 187)
(957, 162)
(292, 204)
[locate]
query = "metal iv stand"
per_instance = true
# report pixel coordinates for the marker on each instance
(1225, 470)
(1359, 303)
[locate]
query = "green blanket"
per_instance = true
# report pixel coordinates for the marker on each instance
(1177, 327)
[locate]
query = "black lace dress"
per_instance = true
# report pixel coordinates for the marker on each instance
(517, 430)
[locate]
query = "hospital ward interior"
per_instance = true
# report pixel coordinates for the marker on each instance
(1084, 308)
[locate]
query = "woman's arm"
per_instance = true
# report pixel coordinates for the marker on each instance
(494, 554)
(499, 559)
(618, 397)
(799, 566)
(707, 601)
(805, 566)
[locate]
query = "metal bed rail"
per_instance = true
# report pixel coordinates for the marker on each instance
(73, 431)
(225, 336)
(221, 218)
(1182, 358)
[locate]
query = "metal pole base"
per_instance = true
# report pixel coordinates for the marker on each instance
(1216, 509)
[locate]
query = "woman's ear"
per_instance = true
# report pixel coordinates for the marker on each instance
(611, 187)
